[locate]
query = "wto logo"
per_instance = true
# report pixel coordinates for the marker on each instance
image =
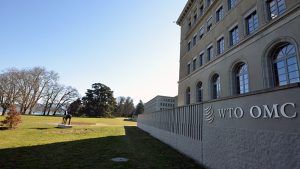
(209, 114)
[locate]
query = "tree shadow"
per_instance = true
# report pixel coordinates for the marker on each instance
(142, 150)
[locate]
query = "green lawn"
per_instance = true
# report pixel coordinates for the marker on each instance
(91, 143)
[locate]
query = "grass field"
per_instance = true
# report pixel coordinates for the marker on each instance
(91, 143)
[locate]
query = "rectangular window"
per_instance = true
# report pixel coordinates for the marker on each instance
(189, 46)
(201, 10)
(200, 59)
(220, 14)
(234, 36)
(275, 8)
(201, 32)
(231, 4)
(195, 40)
(209, 24)
(194, 64)
(195, 15)
(221, 45)
(188, 68)
(189, 23)
(208, 2)
(251, 23)
(210, 53)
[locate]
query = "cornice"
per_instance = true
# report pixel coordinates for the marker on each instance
(185, 10)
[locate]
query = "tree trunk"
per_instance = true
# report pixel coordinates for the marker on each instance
(30, 111)
(49, 109)
(3, 111)
(44, 112)
(45, 107)
(55, 111)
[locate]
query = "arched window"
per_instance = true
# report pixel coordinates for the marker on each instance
(199, 92)
(241, 78)
(216, 87)
(285, 65)
(188, 96)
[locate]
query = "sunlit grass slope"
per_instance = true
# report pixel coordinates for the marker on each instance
(91, 143)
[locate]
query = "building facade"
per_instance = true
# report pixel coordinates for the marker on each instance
(159, 103)
(238, 89)
(235, 47)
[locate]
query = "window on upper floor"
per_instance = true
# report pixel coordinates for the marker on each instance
(276, 8)
(201, 32)
(285, 65)
(194, 64)
(221, 45)
(195, 40)
(231, 4)
(234, 36)
(209, 24)
(201, 10)
(195, 16)
(251, 23)
(189, 23)
(201, 57)
(208, 3)
(188, 68)
(219, 14)
(189, 46)
(216, 87)
(210, 53)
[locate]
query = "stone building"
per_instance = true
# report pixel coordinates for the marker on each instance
(239, 86)
(159, 103)
(236, 47)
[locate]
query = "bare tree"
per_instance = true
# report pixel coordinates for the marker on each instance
(67, 96)
(51, 97)
(9, 91)
(27, 87)
(49, 94)
(32, 84)
(46, 79)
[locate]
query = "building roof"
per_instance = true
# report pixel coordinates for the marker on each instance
(158, 96)
(185, 10)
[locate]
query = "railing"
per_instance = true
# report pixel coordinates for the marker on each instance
(186, 120)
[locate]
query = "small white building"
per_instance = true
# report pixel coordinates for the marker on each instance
(159, 103)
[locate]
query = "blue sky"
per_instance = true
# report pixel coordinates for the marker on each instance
(131, 46)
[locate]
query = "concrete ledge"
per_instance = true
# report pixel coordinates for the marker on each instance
(64, 126)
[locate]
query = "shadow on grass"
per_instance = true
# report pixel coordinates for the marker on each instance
(129, 119)
(4, 128)
(142, 150)
(40, 128)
